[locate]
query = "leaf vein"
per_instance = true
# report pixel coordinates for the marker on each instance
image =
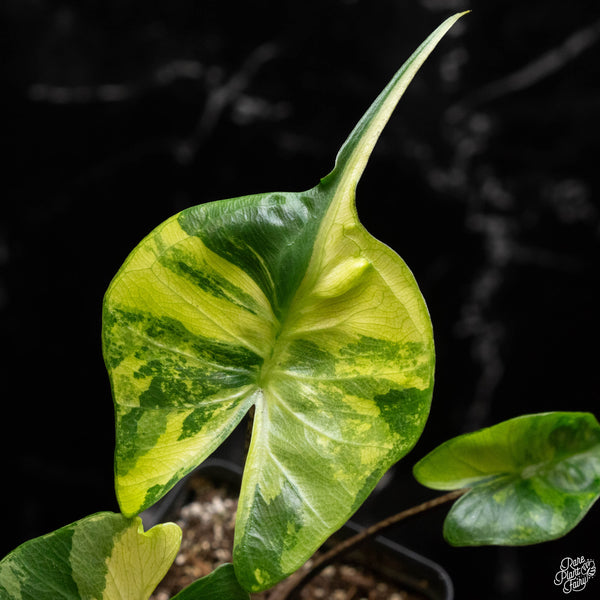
(297, 488)
(326, 434)
(208, 316)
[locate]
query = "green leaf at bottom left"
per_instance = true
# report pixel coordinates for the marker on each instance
(105, 556)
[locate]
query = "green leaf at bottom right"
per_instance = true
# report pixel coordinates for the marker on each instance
(531, 479)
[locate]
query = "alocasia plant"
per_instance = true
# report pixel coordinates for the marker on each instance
(282, 302)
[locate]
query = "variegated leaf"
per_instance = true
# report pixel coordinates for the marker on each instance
(105, 556)
(284, 302)
(533, 478)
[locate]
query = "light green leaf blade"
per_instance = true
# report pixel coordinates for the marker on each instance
(281, 301)
(533, 478)
(105, 556)
(221, 584)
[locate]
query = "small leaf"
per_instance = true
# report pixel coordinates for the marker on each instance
(221, 584)
(285, 302)
(533, 478)
(105, 556)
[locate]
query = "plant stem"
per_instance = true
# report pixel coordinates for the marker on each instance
(312, 567)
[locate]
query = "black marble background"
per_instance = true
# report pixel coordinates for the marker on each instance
(118, 114)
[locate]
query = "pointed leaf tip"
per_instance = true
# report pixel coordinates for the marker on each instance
(356, 150)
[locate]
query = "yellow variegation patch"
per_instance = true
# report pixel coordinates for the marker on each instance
(140, 560)
(284, 302)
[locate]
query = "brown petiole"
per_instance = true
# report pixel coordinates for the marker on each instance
(312, 567)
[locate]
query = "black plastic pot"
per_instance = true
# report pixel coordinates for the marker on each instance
(399, 564)
(218, 470)
(380, 555)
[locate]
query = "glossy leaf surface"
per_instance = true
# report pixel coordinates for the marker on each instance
(221, 584)
(105, 556)
(284, 302)
(533, 478)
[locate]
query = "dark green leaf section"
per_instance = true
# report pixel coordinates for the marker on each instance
(200, 273)
(269, 236)
(273, 528)
(94, 545)
(221, 584)
(158, 338)
(533, 478)
(40, 569)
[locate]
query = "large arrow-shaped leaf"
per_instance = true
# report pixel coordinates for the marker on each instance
(105, 556)
(533, 478)
(281, 301)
